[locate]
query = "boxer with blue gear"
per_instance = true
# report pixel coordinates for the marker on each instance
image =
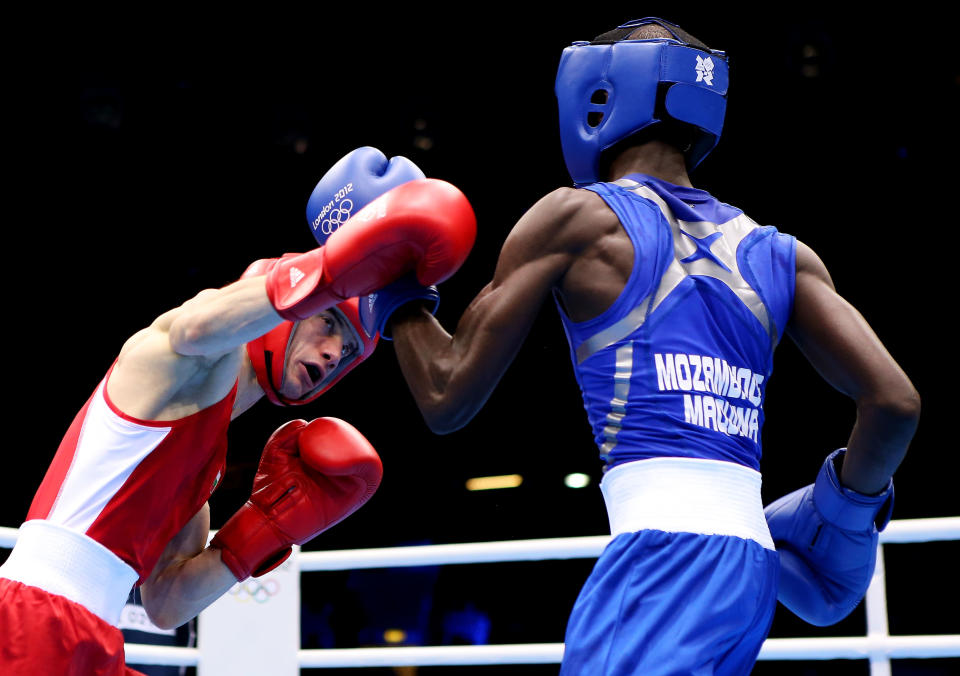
(673, 304)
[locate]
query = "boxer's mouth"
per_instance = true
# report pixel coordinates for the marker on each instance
(314, 372)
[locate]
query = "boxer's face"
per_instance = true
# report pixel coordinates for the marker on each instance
(317, 348)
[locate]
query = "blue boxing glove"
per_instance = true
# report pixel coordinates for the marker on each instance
(355, 180)
(375, 309)
(349, 185)
(827, 536)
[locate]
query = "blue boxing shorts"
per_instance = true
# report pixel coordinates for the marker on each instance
(687, 586)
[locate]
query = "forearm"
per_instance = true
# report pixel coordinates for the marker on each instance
(452, 376)
(185, 587)
(427, 358)
(878, 443)
(220, 320)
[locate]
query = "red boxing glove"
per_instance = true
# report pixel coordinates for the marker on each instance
(311, 476)
(425, 225)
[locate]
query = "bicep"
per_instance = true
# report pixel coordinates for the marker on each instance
(451, 377)
(835, 337)
(503, 311)
(534, 258)
(530, 263)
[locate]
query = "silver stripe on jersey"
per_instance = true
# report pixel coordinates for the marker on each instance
(618, 405)
(724, 248)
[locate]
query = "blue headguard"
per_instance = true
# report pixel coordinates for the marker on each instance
(613, 87)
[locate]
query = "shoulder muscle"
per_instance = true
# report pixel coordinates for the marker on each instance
(558, 226)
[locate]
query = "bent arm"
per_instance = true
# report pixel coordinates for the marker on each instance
(840, 344)
(452, 376)
(188, 577)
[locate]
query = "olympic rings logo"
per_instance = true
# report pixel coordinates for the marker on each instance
(258, 591)
(337, 217)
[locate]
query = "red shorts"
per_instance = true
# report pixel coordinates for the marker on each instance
(48, 634)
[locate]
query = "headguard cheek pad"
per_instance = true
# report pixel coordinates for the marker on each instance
(268, 353)
(608, 91)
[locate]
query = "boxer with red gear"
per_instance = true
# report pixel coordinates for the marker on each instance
(124, 501)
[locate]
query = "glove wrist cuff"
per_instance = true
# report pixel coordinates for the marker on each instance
(247, 540)
(846, 508)
(299, 286)
(376, 309)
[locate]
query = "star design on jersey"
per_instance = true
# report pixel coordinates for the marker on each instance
(703, 245)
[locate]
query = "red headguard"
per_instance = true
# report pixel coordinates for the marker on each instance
(268, 352)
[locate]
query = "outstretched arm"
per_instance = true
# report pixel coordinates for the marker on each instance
(189, 357)
(424, 226)
(837, 340)
(452, 376)
(216, 321)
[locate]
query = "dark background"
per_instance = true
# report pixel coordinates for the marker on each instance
(148, 159)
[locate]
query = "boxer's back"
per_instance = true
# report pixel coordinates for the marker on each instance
(678, 364)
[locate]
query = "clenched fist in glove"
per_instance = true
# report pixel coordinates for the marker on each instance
(826, 535)
(311, 476)
(425, 226)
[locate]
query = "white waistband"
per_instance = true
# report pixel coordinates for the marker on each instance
(686, 495)
(70, 564)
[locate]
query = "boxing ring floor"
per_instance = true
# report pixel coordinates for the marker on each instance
(878, 645)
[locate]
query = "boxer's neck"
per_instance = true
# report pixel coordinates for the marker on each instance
(654, 158)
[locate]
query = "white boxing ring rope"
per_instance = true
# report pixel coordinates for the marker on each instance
(877, 646)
